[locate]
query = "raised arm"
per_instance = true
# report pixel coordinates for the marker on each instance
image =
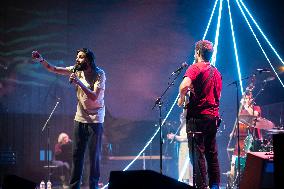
(37, 57)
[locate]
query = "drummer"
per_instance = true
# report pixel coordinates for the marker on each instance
(250, 112)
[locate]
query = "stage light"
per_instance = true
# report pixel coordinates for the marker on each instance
(259, 42)
(214, 56)
(210, 19)
(105, 186)
(276, 53)
(235, 47)
(281, 69)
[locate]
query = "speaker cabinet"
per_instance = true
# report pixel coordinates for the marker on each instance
(278, 148)
(14, 182)
(259, 170)
(143, 179)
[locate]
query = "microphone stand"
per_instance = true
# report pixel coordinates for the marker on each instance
(160, 103)
(46, 125)
(255, 120)
(236, 83)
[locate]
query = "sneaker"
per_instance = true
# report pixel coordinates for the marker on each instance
(214, 186)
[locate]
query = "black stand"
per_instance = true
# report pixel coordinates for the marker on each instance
(238, 136)
(160, 103)
(46, 125)
(255, 120)
(236, 83)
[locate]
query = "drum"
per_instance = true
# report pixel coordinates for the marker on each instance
(265, 145)
(245, 140)
(244, 130)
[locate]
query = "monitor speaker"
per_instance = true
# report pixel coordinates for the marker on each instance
(259, 171)
(278, 148)
(14, 182)
(143, 179)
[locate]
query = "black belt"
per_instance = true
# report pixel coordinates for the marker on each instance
(203, 116)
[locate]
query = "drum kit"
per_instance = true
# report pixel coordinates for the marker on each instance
(265, 127)
(255, 135)
(250, 143)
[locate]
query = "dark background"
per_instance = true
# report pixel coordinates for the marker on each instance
(138, 44)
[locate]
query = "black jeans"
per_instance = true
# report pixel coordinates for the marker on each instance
(86, 134)
(204, 146)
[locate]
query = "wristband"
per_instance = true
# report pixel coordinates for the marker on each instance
(41, 60)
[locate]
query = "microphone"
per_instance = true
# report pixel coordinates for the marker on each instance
(35, 54)
(183, 65)
(260, 70)
(74, 70)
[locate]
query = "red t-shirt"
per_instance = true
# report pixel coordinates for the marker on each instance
(205, 98)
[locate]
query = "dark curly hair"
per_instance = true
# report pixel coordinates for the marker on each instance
(90, 55)
(205, 48)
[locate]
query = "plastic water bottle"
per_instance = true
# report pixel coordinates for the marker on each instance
(48, 185)
(42, 185)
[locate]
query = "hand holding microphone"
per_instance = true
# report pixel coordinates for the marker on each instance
(73, 78)
(37, 57)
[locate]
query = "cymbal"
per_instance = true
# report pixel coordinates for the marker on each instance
(262, 123)
(247, 119)
(246, 116)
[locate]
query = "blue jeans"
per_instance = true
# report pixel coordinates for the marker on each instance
(86, 134)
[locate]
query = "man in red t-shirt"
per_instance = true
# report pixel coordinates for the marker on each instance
(204, 82)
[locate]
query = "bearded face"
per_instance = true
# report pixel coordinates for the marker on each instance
(82, 62)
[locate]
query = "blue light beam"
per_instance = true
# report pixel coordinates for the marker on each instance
(149, 142)
(259, 29)
(214, 56)
(259, 43)
(235, 47)
(210, 19)
(184, 168)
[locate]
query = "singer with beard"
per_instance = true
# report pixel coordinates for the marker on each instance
(204, 82)
(89, 81)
